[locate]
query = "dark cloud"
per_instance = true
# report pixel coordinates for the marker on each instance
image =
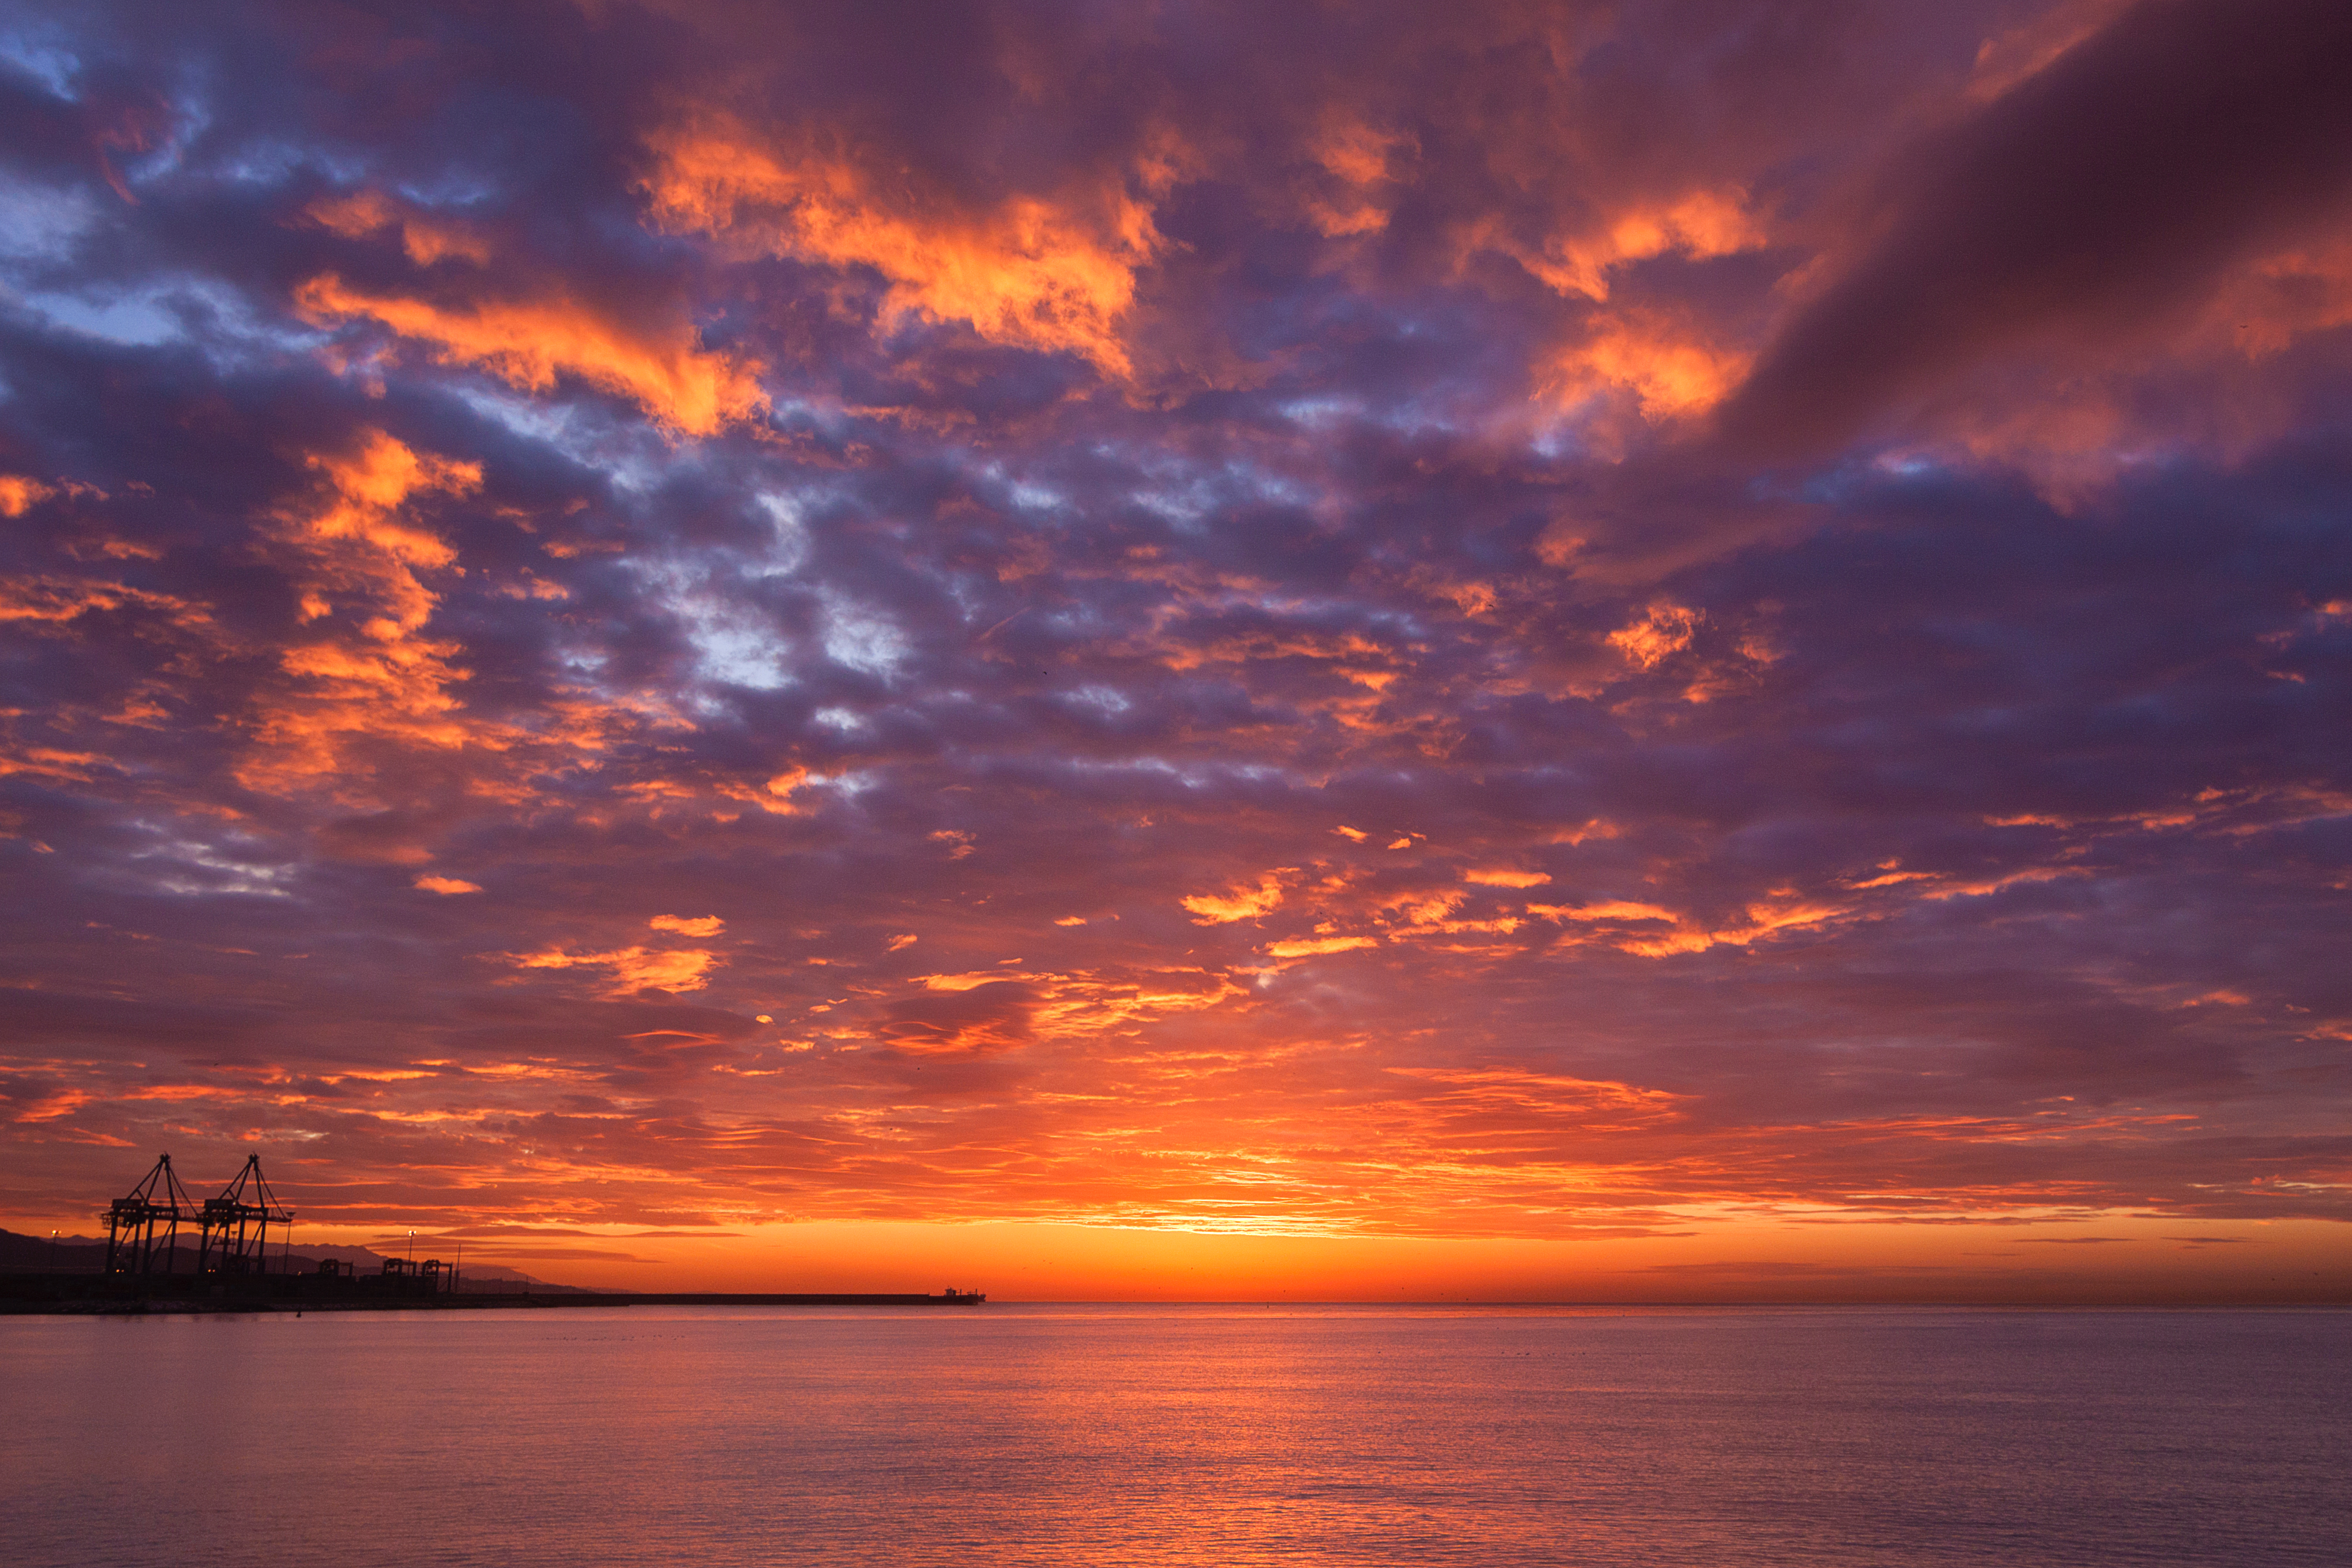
(2084, 204)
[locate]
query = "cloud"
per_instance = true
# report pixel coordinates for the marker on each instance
(1316, 946)
(1701, 225)
(1663, 631)
(1611, 909)
(2087, 201)
(528, 342)
(360, 666)
(1669, 367)
(1239, 904)
(981, 1020)
(703, 925)
(633, 968)
(446, 885)
(18, 494)
(1033, 270)
(426, 239)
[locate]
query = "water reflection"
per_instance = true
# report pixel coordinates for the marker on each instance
(1052, 1435)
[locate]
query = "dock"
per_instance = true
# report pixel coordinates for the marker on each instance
(81, 1294)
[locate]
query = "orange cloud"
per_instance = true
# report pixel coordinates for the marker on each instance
(1546, 1092)
(965, 1021)
(1195, 651)
(632, 968)
(446, 885)
(1056, 274)
(774, 797)
(1358, 157)
(1432, 914)
(1088, 1005)
(529, 342)
(1241, 904)
(1316, 946)
(426, 239)
(1763, 920)
(706, 925)
(1664, 630)
(1699, 225)
(1615, 909)
(1977, 889)
(368, 490)
(60, 600)
(1670, 368)
(355, 550)
(47, 761)
(1507, 878)
(1669, 363)
(18, 494)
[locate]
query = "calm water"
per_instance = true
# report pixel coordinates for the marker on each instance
(1213, 1436)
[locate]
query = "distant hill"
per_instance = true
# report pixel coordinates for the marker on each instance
(83, 1255)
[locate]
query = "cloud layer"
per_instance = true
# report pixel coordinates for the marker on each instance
(1531, 622)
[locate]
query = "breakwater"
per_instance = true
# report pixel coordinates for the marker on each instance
(103, 1293)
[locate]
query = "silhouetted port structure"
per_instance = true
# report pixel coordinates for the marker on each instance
(236, 1224)
(231, 1273)
(159, 1203)
(232, 1250)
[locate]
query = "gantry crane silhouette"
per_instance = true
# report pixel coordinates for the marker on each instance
(143, 1229)
(235, 1226)
(132, 1223)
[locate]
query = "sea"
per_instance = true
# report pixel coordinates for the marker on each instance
(1008, 1434)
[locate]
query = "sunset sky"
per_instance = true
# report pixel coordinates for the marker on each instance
(1580, 651)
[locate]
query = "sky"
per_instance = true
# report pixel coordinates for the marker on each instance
(1658, 650)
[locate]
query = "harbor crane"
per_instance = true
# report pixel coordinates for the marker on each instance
(132, 1223)
(235, 1226)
